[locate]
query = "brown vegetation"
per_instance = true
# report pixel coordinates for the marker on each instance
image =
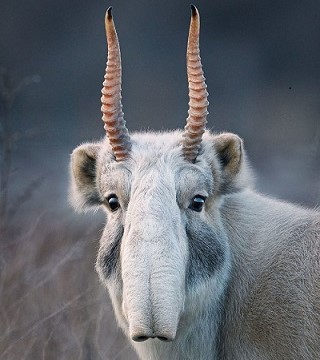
(51, 303)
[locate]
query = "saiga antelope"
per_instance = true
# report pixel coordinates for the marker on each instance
(197, 263)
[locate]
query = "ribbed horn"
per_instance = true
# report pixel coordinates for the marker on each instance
(198, 94)
(111, 95)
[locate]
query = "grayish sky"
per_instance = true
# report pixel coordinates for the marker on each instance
(261, 61)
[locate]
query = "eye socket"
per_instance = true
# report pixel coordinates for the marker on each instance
(113, 202)
(197, 203)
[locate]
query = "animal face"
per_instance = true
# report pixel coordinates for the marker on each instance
(163, 241)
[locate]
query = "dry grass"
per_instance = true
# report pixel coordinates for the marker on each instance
(51, 303)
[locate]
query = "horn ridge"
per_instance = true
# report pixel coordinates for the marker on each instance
(112, 114)
(198, 95)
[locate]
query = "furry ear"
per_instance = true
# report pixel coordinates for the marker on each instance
(230, 153)
(84, 192)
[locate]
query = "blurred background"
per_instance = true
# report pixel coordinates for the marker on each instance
(261, 60)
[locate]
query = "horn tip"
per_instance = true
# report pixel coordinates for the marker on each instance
(109, 13)
(194, 10)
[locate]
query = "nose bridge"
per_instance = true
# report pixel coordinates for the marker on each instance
(154, 226)
(152, 262)
(151, 243)
(153, 204)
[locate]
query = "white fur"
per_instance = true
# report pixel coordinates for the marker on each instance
(263, 302)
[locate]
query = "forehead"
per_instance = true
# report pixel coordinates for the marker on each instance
(156, 158)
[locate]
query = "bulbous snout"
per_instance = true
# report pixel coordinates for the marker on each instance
(153, 312)
(153, 290)
(153, 265)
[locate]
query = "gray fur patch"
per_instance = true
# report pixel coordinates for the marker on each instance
(206, 253)
(109, 256)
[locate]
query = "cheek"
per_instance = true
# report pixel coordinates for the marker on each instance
(206, 251)
(108, 260)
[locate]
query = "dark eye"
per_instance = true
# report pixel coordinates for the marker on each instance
(113, 202)
(197, 203)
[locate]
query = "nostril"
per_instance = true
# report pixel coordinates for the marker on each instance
(140, 338)
(163, 338)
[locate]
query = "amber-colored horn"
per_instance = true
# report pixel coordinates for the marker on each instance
(111, 95)
(198, 94)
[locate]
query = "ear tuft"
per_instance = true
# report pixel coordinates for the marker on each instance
(84, 192)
